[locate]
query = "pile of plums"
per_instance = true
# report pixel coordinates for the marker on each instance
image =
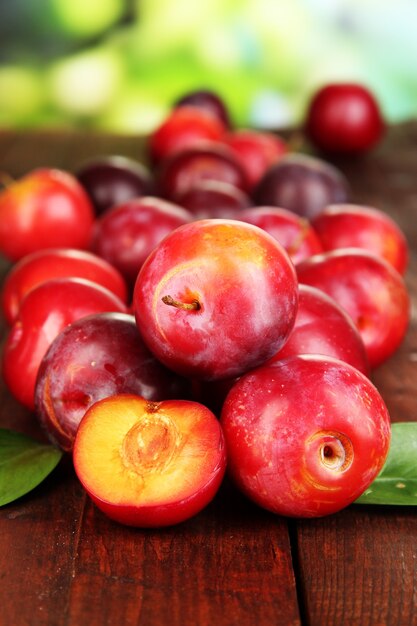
(223, 304)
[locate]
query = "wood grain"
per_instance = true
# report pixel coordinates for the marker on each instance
(62, 563)
(216, 566)
(360, 567)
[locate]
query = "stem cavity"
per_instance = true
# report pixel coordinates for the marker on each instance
(333, 450)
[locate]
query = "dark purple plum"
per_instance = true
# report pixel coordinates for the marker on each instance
(212, 198)
(303, 184)
(209, 101)
(111, 180)
(94, 358)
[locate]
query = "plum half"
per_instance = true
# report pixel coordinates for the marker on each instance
(149, 464)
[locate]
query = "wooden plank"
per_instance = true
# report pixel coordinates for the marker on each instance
(38, 538)
(360, 567)
(21, 152)
(7, 140)
(72, 566)
(229, 565)
(91, 145)
(35, 150)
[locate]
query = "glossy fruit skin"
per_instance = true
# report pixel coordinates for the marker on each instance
(45, 311)
(355, 226)
(207, 100)
(47, 208)
(185, 127)
(173, 475)
(241, 289)
(256, 151)
(213, 198)
(305, 436)
(38, 267)
(95, 357)
(293, 232)
(344, 118)
(323, 327)
(179, 173)
(370, 290)
(127, 233)
(114, 179)
(303, 184)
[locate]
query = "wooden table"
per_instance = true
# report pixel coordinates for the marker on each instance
(62, 563)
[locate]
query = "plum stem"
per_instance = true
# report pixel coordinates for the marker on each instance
(194, 305)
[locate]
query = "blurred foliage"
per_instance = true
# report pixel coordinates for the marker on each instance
(119, 64)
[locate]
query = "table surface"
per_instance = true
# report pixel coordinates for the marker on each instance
(62, 563)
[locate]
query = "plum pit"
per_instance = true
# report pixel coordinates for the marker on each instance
(151, 443)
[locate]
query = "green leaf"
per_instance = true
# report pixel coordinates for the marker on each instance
(24, 463)
(397, 481)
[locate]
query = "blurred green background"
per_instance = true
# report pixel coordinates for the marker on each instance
(118, 65)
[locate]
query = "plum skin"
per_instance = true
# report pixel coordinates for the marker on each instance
(256, 150)
(370, 290)
(344, 118)
(36, 268)
(295, 233)
(97, 356)
(113, 179)
(303, 184)
(213, 198)
(244, 289)
(46, 208)
(323, 327)
(45, 311)
(126, 234)
(178, 173)
(208, 101)
(185, 127)
(305, 436)
(357, 226)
